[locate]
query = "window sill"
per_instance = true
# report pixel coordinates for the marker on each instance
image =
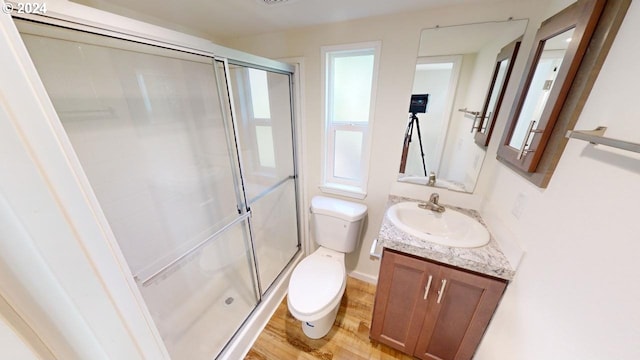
(344, 190)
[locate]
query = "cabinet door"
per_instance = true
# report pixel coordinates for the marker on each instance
(401, 300)
(463, 305)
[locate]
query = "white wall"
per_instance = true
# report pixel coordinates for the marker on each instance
(18, 340)
(13, 347)
(400, 36)
(575, 295)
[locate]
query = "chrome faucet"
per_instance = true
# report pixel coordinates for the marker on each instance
(432, 204)
(432, 179)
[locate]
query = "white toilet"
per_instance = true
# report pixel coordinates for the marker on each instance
(318, 281)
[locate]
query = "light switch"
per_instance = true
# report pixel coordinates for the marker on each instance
(519, 205)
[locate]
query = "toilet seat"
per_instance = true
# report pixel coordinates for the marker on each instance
(316, 286)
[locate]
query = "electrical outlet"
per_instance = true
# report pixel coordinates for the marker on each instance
(519, 205)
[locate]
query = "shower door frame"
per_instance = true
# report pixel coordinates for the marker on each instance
(242, 167)
(112, 268)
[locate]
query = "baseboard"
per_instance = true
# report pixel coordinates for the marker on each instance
(364, 277)
(247, 335)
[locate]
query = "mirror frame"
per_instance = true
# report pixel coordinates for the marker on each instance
(510, 53)
(601, 41)
(582, 16)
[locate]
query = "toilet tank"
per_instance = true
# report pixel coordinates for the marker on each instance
(335, 223)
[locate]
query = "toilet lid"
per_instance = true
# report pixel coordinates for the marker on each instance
(315, 282)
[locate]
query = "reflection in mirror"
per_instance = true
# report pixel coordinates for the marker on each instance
(455, 68)
(501, 76)
(541, 84)
(436, 76)
(493, 98)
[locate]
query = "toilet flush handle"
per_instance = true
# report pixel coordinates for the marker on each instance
(426, 288)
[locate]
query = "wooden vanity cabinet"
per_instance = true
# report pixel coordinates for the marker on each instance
(432, 311)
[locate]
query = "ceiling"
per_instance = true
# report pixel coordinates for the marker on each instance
(226, 19)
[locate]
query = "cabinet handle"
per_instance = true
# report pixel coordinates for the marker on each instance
(426, 288)
(441, 291)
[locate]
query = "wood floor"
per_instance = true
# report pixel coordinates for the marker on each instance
(283, 339)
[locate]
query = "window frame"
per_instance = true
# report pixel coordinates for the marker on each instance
(329, 183)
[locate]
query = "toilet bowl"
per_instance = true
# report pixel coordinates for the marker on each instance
(315, 291)
(319, 280)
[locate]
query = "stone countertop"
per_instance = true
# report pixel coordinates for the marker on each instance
(488, 259)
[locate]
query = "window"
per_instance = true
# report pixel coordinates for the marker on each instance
(259, 87)
(349, 97)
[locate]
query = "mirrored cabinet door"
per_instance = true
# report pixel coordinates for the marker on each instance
(555, 57)
(501, 75)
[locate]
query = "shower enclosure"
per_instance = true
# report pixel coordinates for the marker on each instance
(192, 160)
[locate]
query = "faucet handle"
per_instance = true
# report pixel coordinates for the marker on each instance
(432, 204)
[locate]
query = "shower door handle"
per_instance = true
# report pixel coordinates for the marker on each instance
(173, 263)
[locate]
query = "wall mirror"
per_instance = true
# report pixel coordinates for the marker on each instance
(455, 67)
(553, 63)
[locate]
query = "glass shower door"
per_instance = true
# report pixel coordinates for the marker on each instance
(148, 128)
(263, 121)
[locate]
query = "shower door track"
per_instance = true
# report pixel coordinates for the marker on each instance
(174, 262)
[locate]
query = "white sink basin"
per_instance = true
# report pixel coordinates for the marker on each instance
(450, 228)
